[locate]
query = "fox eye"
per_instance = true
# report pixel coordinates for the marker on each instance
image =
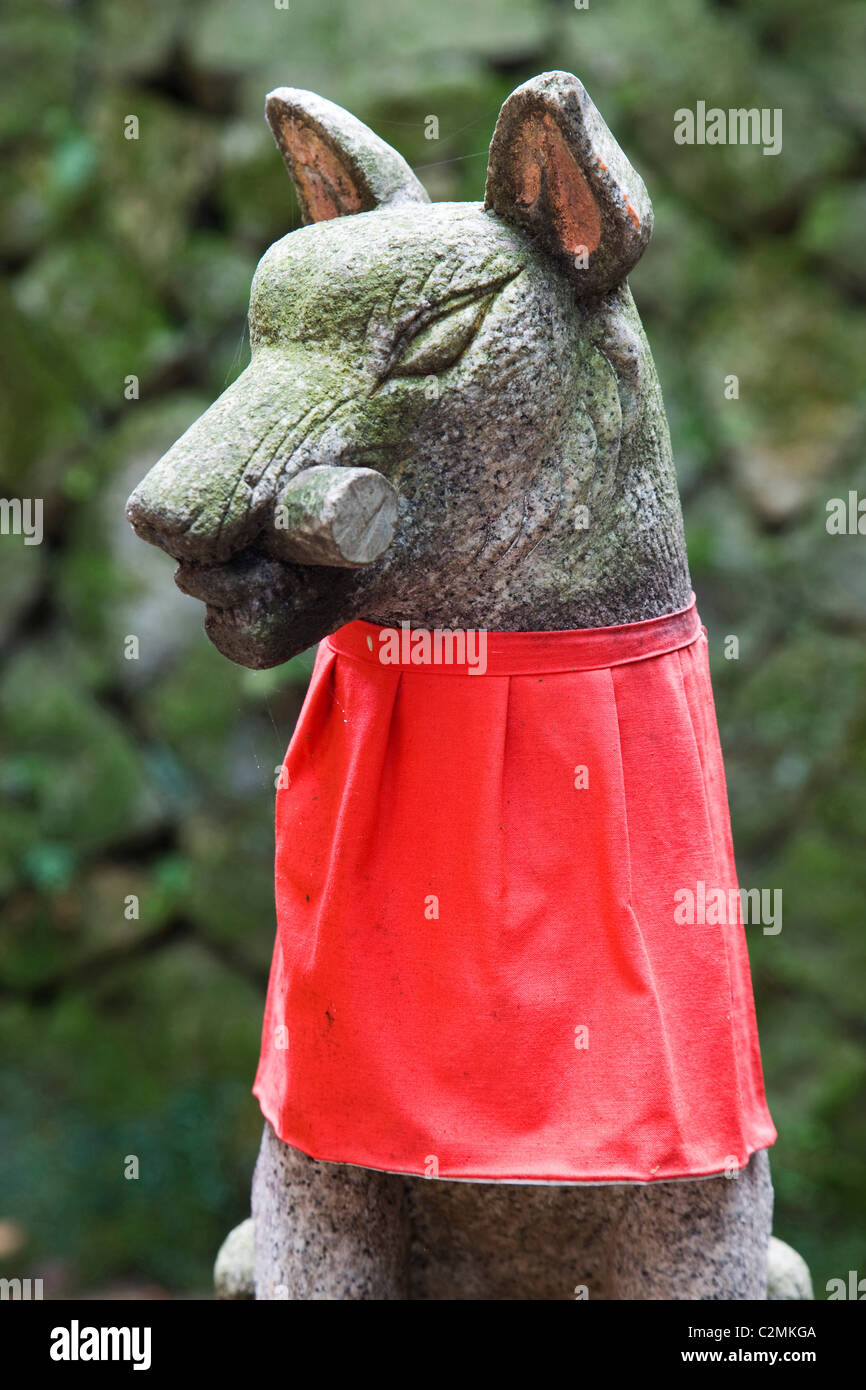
(437, 345)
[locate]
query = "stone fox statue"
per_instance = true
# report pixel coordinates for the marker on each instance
(494, 1062)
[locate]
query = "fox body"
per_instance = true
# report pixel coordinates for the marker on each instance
(451, 418)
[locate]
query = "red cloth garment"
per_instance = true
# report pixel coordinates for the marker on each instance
(479, 971)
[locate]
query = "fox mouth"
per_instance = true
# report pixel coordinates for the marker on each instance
(234, 584)
(260, 612)
(210, 584)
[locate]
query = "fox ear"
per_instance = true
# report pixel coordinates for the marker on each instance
(556, 171)
(337, 164)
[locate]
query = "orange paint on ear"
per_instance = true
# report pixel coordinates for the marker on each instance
(527, 169)
(544, 166)
(322, 179)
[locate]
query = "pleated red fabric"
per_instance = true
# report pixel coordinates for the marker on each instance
(479, 971)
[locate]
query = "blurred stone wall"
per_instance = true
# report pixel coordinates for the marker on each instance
(125, 1036)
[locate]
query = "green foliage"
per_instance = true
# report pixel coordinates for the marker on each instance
(137, 1035)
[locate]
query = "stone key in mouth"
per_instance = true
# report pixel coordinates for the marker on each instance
(343, 517)
(334, 516)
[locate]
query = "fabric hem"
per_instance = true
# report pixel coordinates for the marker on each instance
(516, 1180)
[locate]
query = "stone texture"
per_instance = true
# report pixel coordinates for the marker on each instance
(324, 1231)
(788, 1274)
(468, 1241)
(335, 516)
(233, 1270)
(703, 1239)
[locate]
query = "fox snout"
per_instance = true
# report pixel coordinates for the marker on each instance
(242, 475)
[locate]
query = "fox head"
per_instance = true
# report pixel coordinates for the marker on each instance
(450, 416)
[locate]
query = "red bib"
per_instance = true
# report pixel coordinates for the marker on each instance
(486, 964)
